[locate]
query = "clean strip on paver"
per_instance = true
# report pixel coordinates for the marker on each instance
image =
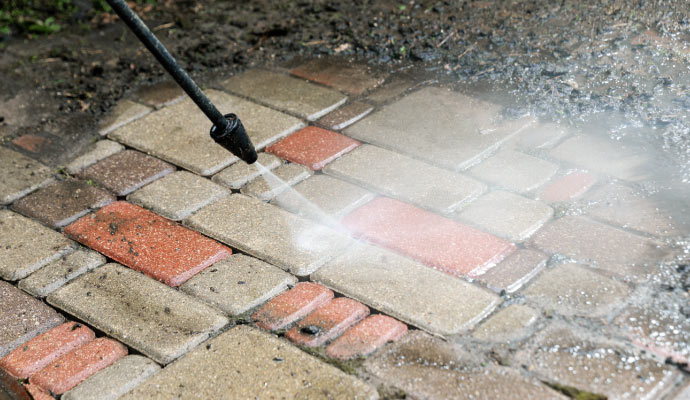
(250, 364)
(327, 322)
(292, 305)
(268, 185)
(514, 171)
(95, 153)
(366, 336)
(161, 322)
(510, 323)
(515, 271)
(239, 173)
(313, 147)
(54, 275)
(20, 175)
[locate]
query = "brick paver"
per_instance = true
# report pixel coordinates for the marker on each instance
(160, 94)
(327, 322)
(147, 315)
(346, 75)
(407, 179)
(441, 243)
(292, 305)
(539, 136)
(69, 370)
(11, 389)
(123, 113)
(515, 271)
(286, 93)
(37, 393)
(366, 336)
(32, 143)
(239, 173)
(269, 233)
(568, 187)
(506, 215)
(407, 290)
(20, 175)
(515, 171)
(248, 363)
(54, 275)
(178, 195)
(313, 146)
(27, 245)
(126, 171)
(392, 87)
(179, 133)
(345, 116)
(510, 323)
(238, 283)
(95, 153)
(147, 242)
(34, 355)
(267, 186)
(62, 203)
(115, 380)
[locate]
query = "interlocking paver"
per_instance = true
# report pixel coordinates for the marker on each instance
(239, 173)
(313, 146)
(286, 93)
(12, 389)
(507, 215)
(95, 153)
(69, 370)
(268, 185)
(238, 283)
(346, 75)
(20, 175)
(115, 380)
(345, 116)
(510, 323)
(178, 195)
(269, 233)
(568, 187)
(292, 305)
(606, 156)
(26, 245)
(160, 94)
(63, 202)
(366, 336)
(159, 321)
(515, 171)
(567, 356)
(683, 394)
(54, 275)
(407, 290)
(38, 393)
(327, 322)
(394, 86)
(147, 242)
(539, 136)
(249, 363)
(126, 171)
(455, 130)
(571, 289)
(606, 248)
(179, 133)
(396, 175)
(513, 272)
(123, 113)
(439, 242)
(42, 350)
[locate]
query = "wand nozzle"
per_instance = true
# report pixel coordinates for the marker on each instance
(234, 138)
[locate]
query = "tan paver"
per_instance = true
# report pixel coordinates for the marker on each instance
(239, 173)
(97, 152)
(510, 323)
(515, 171)
(515, 271)
(20, 175)
(267, 186)
(124, 112)
(54, 275)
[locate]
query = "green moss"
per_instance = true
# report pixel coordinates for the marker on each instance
(575, 393)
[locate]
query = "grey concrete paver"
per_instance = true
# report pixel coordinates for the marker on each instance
(98, 151)
(56, 274)
(248, 363)
(510, 323)
(123, 113)
(539, 136)
(345, 116)
(267, 186)
(515, 271)
(515, 171)
(239, 173)
(20, 175)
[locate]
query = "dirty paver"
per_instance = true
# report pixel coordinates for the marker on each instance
(327, 322)
(54, 275)
(292, 305)
(20, 175)
(366, 336)
(350, 77)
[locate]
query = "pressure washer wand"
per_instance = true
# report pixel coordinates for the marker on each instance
(227, 130)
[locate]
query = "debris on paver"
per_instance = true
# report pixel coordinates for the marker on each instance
(56, 274)
(292, 305)
(313, 147)
(327, 322)
(20, 175)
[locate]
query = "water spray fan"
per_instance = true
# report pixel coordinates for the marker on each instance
(227, 130)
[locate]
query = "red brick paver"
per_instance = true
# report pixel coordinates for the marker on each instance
(292, 305)
(327, 322)
(313, 147)
(147, 242)
(367, 336)
(42, 350)
(568, 187)
(38, 393)
(351, 77)
(30, 143)
(439, 242)
(72, 368)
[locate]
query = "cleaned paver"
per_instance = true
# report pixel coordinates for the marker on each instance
(126, 171)
(178, 195)
(507, 215)
(147, 242)
(238, 283)
(153, 318)
(367, 336)
(515, 271)
(453, 130)
(292, 305)
(20, 175)
(179, 133)
(539, 136)
(407, 290)
(115, 380)
(268, 185)
(69, 370)
(571, 186)
(313, 146)
(63, 202)
(95, 153)
(239, 173)
(439, 242)
(26, 245)
(42, 350)
(571, 289)
(510, 323)
(54, 275)
(515, 171)
(410, 180)
(345, 116)
(327, 322)
(286, 93)
(269, 233)
(160, 94)
(346, 75)
(248, 363)
(123, 113)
